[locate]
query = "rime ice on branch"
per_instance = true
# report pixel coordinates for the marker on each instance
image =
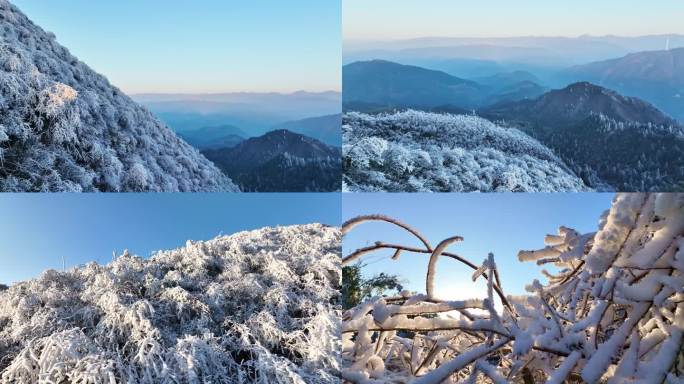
(612, 310)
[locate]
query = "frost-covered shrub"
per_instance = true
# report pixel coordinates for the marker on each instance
(253, 307)
(54, 109)
(611, 310)
(419, 151)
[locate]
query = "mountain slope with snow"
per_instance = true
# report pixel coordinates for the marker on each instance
(253, 307)
(419, 151)
(63, 127)
(611, 141)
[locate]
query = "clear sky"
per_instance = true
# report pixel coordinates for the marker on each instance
(36, 230)
(169, 46)
(398, 19)
(501, 223)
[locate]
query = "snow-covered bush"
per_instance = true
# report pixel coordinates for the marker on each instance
(420, 151)
(65, 128)
(611, 310)
(253, 307)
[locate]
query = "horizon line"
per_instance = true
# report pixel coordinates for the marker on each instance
(378, 39)
(236, 93)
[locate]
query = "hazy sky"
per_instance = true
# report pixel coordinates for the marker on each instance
(502, 223)
(200, 46)
(397, 19)
(36, 230)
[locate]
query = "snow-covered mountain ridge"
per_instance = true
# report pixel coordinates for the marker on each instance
(64, 127)
(253, 307)
(421, 151)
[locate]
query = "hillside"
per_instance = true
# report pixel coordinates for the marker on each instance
(395, 85)
(414, 151)
(253, 307)
(613, 142)
(579, 100)
(281, 161)
(322, 128)
(655, 76)
(63, 127)
(383, 86)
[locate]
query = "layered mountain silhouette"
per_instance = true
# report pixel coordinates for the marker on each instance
(63, 127)
(378, 86)
(220, 136)
(322, 128)
(656, 76)
(281, 161)
(576, 102)
(390, 84)
(612, 141)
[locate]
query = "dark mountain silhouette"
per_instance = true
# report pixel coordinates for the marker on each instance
(655, 76)
(281, 161)
(323, 128)
(506, 79)
(382, 86)
(577, 101)
(394, 85)
(525, 89)
(612, 141)
(214, 137)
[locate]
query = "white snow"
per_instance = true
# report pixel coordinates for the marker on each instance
(65, 128)
(253, 307)
(612, 312)
(419, 151)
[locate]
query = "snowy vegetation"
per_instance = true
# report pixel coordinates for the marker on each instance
(418, 151)
(611, 310)
(253, 307)
(63, 127)
(616, 155)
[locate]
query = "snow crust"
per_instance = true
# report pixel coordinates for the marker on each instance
(420, 151)
(253, 307)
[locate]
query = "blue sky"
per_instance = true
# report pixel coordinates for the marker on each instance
(397, 19)
(36, 230)
(201, 46)
(491, 222)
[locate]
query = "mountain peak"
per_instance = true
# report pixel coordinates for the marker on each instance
(281, 161)
(576, 102)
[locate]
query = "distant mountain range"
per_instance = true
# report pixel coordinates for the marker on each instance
(214, 137)
(392, 84)
(656, 76)
(612, 141)
(502, 54)
(281, 161)
(379, 84)
(254, 113)
(648, 67)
